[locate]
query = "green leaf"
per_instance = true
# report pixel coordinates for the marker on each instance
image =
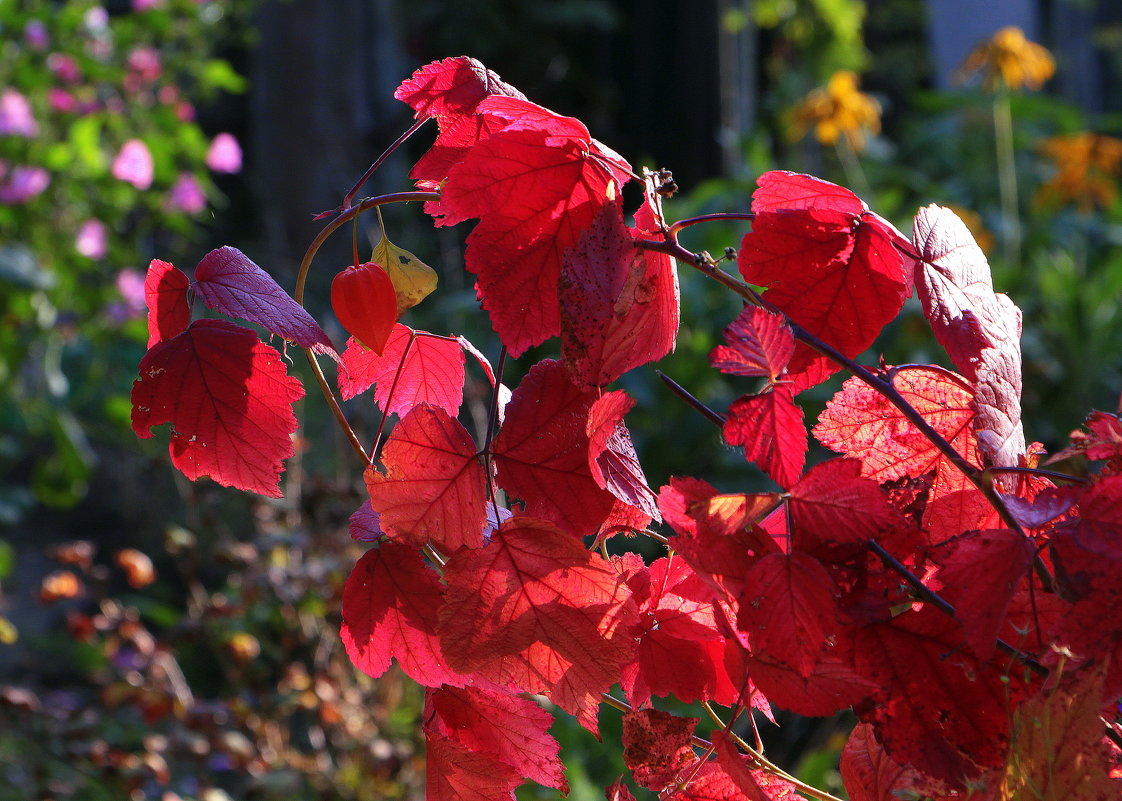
(218, 74)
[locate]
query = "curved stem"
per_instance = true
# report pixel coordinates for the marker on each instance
(302, 280)
(704, 218)
(350, 196)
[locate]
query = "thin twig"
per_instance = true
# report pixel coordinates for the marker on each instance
(928, 595)
(716, 418)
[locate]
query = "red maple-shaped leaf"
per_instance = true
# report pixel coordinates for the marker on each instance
(415, 367)
(229, 282)
(1058, 748)
(364, 525)
(861, 423)
(452, 87)
(788, 609)
(770, 428)
(716, 533)
(612, 459)
(711, 782)
(760, 344)
(560, 183)
(456, 773)
(870, 774)
(390, 604)
(534, 609)
(229, 401)
(512, 729)
(754, 785)
(937, 708)
(778, 190)
(827, 262)
(165, 294)
(618, 791)
(832, 685)
(979, 575)
(833, 506)
(1101, 440)
(681, 650)
(619, 303)
(980, 329)
(434, 488)
(542, 451)
(656, 747)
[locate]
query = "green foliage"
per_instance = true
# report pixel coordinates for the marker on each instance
(101, 162)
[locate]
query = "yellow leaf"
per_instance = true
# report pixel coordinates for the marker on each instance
(413, 280)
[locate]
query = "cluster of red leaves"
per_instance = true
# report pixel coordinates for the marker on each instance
(928, 578)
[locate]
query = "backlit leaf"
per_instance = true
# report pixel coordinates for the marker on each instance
(416, 367)
(229, 282)
(534, 609)
(165, 294)
(770, 428)
(229, 402)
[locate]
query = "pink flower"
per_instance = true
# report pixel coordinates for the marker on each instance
(35, 34)
(91, 241)
(21, 184)
(144, 62)
(96, 19)
(225, 154)
(61, 100)
(15, 115)
(130, 283)
(64, 67)
(134, 164)
(186, 195)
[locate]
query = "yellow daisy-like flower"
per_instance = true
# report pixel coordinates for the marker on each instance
(1010, 58)
(1088, 166)
(838, 109)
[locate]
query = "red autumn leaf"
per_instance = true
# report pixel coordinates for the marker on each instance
(656, 747)
(165, 294)
(390, 607)
(416, 367)
(713, 783)
(680, 648)
(770, 428)
(1101, 440)
(516, 250)
(979, 575)
(456, 773)
(937, 708)
(716, 533)
(780, 189)
(827, 262)
(833, 684)
(229, 401)
(859, 422)
(619, 303)
(760, 344)
(452, 87)
(755, 785)
(1058, 748)
(612, 459)
(434, 488)
(364, 524)
(510, 728)
(870, 774)
(618, 791)
(1046, 506)
(229, 282)
(833, 506)
(365, 301)
(980, 329)
(542, 451)
(788, 609)
(535, 610)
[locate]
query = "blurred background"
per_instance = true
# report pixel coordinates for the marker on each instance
(161, 639)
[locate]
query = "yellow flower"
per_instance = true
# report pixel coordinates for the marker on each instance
(1010, 58)
(838, 109)
(1088, 166)
(973, 221)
